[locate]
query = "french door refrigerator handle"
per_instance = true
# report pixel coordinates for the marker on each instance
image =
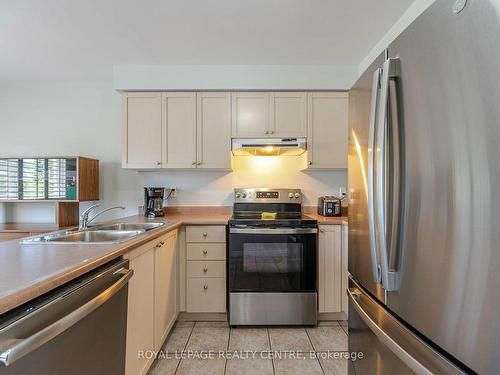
(390, 71)
(24, 346)
(371, 176)
(354, 295)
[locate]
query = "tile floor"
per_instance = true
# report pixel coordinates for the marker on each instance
(218, 336)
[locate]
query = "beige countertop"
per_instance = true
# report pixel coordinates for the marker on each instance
(30, 270)
(328, 220)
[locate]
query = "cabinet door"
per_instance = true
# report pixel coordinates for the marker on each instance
(140, 314)
(327, 130)
(288, 114)
(345, 280)
(330, 268)
(250, 114)
(213, 130)
(179, 122)
(165, 287)
(142, 126)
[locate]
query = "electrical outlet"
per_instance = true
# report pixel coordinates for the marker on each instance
(342, 192)
(173, 192)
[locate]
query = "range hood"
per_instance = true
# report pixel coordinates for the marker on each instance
(268, 146)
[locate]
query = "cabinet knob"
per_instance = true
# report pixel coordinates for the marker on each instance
(158, 163)
(162, 242)
(199, 163)
(272, 132)
(322, 230)
(205, 270)
(193, 163)
(266, 132)
(309, 162)
(205, 252)
(205, 234)
(205, 287)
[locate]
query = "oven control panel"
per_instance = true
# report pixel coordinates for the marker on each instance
(264, 195)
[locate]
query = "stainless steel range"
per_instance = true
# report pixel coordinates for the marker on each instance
(272, 261)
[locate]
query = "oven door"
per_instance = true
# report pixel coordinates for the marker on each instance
(272, 259)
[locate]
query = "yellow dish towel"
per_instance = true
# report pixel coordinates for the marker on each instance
(268, 216)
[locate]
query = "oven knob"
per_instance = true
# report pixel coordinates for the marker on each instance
(297, 195)
(244, 195)
(237, 195)
(290, 195)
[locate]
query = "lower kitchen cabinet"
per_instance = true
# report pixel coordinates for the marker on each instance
(165, 287)
(140, 322)
(345, 273)
(152, 299)
(206, 268)
(330, 269)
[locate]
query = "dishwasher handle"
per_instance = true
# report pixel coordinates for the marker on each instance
(33, 342)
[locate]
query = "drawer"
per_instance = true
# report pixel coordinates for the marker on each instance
(209, 268)
(206, 251)
(206, 294)
(206, 233)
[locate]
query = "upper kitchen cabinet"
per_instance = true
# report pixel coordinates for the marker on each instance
(179, 114)
(288, 114)
(143, 140)
(214, 130)
(250, 112)
(177, 130)
(327, 130)
(269, 114)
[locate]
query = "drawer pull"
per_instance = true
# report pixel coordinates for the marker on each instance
(162, 243)
(205, 234)
(205, 287)
(205, 270)
(205, 252)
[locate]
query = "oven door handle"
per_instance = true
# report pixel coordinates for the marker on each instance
(274, 230)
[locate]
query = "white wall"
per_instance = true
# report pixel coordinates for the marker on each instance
(413, 11)
(65, 119)
(234, 77)
(68, 119)
(216, 188)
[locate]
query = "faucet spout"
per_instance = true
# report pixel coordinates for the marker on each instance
(84, 218)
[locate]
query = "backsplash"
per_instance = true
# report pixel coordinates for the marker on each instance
(215, 188)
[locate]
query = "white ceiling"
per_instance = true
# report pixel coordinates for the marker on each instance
(83, 39)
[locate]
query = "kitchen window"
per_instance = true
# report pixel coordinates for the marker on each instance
(37, 179)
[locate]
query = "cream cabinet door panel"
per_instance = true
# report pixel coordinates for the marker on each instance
(327, 130)
(330, 268)
(140, 314)
(250, 114)
(142, 130)
(345, 274)
(214, 130)
(179, 123)
(288, 114)
(165, 287)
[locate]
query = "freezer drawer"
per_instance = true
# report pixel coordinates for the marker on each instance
(388, 347)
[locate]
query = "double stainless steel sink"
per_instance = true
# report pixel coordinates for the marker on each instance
(104, 233)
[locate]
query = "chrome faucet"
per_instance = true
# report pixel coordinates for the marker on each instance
(84, 217)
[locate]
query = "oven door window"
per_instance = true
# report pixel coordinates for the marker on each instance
(272, 262)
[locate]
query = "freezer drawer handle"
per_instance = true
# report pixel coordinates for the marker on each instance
(29, 344)
(354, 295)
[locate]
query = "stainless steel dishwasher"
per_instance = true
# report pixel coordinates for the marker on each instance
(79, 328)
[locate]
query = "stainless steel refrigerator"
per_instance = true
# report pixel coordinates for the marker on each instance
(424, 208)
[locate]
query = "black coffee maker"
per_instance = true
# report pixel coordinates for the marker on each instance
(153, 201)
